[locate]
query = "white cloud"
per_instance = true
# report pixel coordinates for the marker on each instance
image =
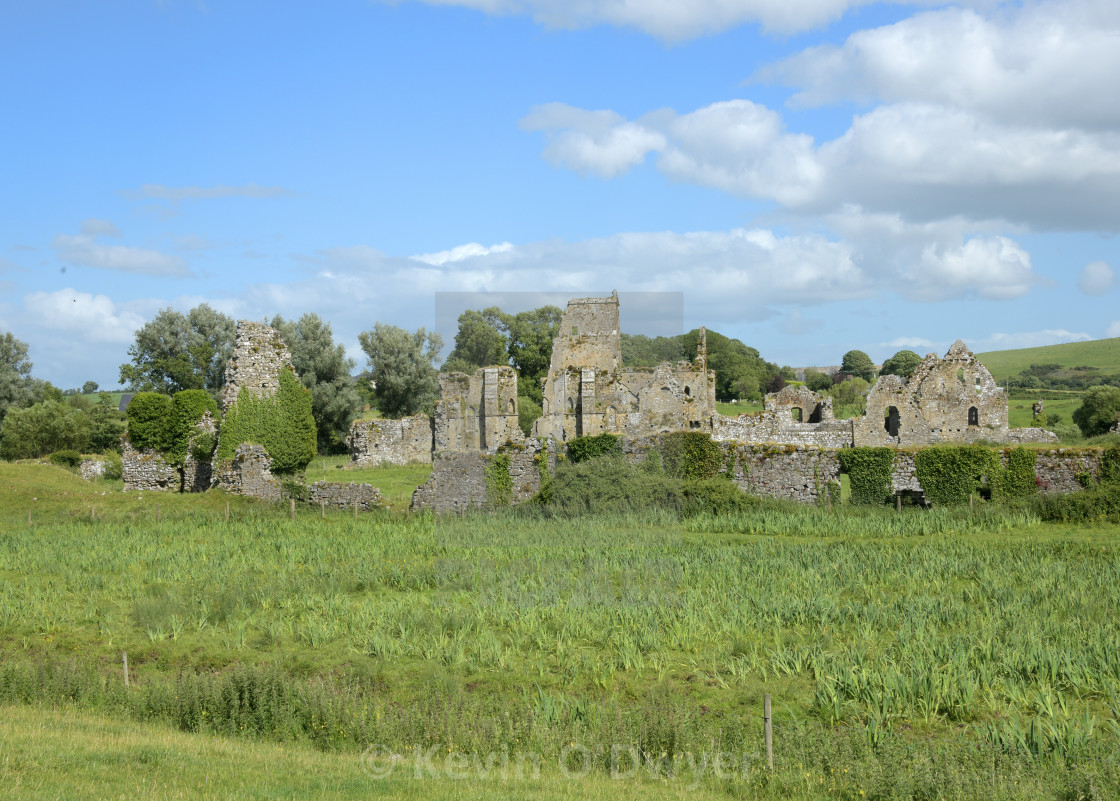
(93, 227)
(909, 343)
(461, 253)
(93, 318)
(82, 250)
(1096, 278)
(672, 20)
(176, 194)
(1113, 329)
(1046, 63)
(922, 160)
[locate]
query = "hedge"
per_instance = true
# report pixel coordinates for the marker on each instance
(691, 454)
(869, 474)
(149, 421)
(950, 474)
(187, 408)
(282, 424)
(581, 449)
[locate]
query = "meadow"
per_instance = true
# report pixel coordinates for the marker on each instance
(917, 654)
(1103, 354)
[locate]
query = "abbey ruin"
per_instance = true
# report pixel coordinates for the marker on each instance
(789, 449)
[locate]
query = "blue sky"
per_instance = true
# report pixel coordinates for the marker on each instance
(812, 176)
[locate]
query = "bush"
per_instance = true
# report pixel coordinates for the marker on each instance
(691, 454)
(949, 474)
(528, 411)
(113, 467)
(187, 408)
(611, 484)
(42, 429)
(107, 424)
(202, 446)
(149, 421)
(581, 449)
(1099, 504)
(1099, 410)
(869, 474)
(283, 424)
(67, 458)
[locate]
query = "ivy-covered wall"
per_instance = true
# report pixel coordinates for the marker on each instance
(282, 424)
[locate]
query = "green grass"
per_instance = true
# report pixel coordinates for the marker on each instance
(735, 409)
(396, 482)
(1103, 354)
(1020, 414)
(906, 652)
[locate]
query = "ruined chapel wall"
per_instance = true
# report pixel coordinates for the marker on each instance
(249, 473)
(259, 354)
(477, 412)
(147, 470)
(397, 442)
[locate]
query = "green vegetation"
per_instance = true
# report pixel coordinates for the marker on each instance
(43, 428)
(175, 351)
(902, 364)
(283, 424)
(187, 408)
(692, 455)
(401, 364)
(1099, 411)
(396, 482)
(869, 474)
(580, 449)
(740, 371)
(148, 414)
(741, 407)
(1101, 354)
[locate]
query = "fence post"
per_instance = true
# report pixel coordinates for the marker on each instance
(768, 729)
(322, 510)
(292, 501)
(355, 508)
(227, 511)
(124, 663)
(898, 501)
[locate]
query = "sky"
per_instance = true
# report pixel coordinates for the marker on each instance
(809, 176)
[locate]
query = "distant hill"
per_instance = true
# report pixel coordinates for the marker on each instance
(1102, 354)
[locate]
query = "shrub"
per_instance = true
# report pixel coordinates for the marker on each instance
(1099, 410)
(283, 424)
(149, 421)
(187, 408)
(66, 458)
(949, 474)
(1017, 479)
(528, 410)
(202, 446)
(113, 467)
(691, 454)
(1098, 504)
(42, 429)
(499, 483)
(581, 449)
(869, 474)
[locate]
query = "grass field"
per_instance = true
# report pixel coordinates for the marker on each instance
(1103, 354)
(396, 482)
(924, 654)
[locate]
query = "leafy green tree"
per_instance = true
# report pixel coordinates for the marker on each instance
(817, 381)
(902, 363)
(402, 365)
(528, 410)
(176, 351)
(481, 341)
(42, 429)
(16, 385)
(857, 363)
(107, 424)
(530, 341)
(90, 387)
(324, 368)
(1099, 410)
(283, 424)
(850, 397)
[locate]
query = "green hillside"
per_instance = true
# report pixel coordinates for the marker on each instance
(1102, 354)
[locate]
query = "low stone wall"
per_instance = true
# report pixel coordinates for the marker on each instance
(794, 472)
(458, 480)
(378, 442)
(903, 477)
(248, 473)
(197, 475)
(1057, 470)
(1039, 435)
(92, 469)
(773, 427)
(147, 470)
(344, 496)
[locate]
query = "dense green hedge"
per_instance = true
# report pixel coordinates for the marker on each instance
(149, 421)
(282, 424)
(1017, 479)
(869, 473)
(581, 449)
(66, 458)
(950, 474)
(691, 454)
(187, 408)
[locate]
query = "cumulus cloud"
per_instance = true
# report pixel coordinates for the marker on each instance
(176, 194)
(92, 227)
(84, 251)
(671, 20)
(1096, 278)
(93, 317)
(1046, 63)
(923, 160)
(461, 253)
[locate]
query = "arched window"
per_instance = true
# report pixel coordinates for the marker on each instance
(973, 416)
(512, 407)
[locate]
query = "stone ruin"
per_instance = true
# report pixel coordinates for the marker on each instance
(373, 443)
(793, 416)
(259, 354)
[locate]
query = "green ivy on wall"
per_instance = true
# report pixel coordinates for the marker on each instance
(691, 454)
(581, 449)
(1110, 466)
(869, 474)
(187, 408)
(282, 424)
(1017, 479)
(149, 415)
(499, 483)
(950, 474)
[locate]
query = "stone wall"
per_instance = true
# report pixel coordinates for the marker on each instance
(259, 354)
(1057, 470)
(248, 473)
(198, 474)
(794, 472)
(147, 470)
(476, 412)
(378, 442)
(92, 469)
(344, 496)
(458, 479)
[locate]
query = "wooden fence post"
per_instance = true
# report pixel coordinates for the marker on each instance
(768, 730)
(124, 663)
(227, 511)
(292, 501)
(322, 510)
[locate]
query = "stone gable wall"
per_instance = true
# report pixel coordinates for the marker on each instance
(259, 354)
(794, 472)
(92, 469)
(477, 412)
(248, 473)
(458, 480)
(398, 442)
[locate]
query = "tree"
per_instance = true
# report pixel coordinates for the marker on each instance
(481, 341)
(817, 381)
(16, 387)
(850, 397)
(1099, 410)
(902, 363)
(42, 429)
(857, 363)
(402, 363)
(324, 368)
(107, 423)
(90, 387)
(176, 351)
